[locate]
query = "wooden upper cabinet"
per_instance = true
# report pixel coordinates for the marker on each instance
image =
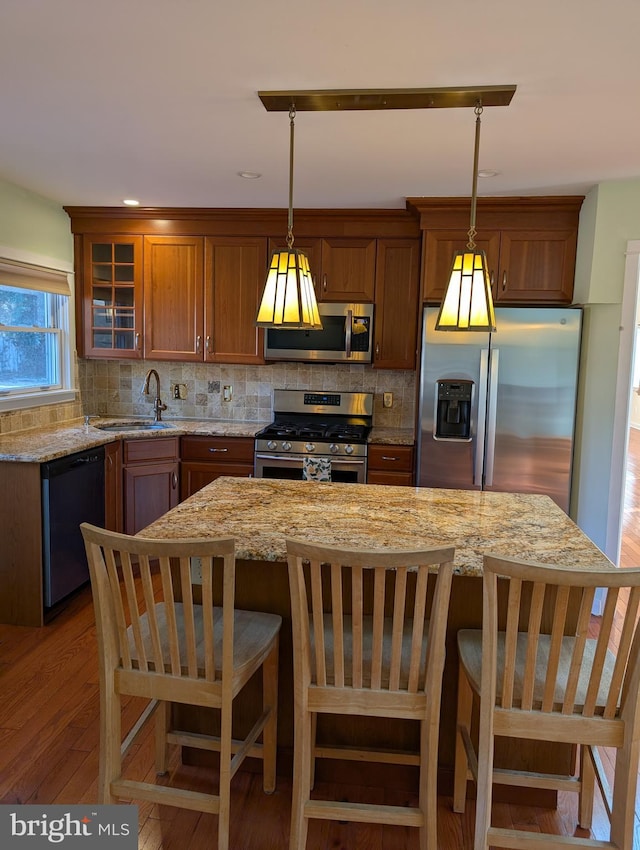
(342, 268)
(439, 248)
(396, 307)
(236, 268)
(348, 270)
(110, 312)
(173, 297)
(536, 267)
(530, 245)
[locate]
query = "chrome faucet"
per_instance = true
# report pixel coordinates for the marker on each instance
(158, 406)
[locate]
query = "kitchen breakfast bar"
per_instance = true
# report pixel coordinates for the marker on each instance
(260, 513)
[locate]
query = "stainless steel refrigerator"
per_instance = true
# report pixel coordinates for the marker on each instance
(497, 411)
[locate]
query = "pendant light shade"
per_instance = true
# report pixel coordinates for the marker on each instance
(467, 304)
(289, 297)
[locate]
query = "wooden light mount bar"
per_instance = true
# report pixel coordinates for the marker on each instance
(342, 100)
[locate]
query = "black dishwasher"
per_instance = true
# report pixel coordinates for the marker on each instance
(72, 493)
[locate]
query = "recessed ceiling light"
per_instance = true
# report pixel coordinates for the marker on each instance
(487, 172)
(249, 175)
(131, 202)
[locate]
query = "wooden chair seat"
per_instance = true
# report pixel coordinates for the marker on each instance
(368, 640)
(161, 638)
(470, 655)
(539, 675)
(367, 651)
(253, 632)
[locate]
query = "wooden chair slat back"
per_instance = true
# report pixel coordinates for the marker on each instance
(360, 618)
(149, 613)
(550, 664)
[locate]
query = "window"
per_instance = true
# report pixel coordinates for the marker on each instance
(35, 362)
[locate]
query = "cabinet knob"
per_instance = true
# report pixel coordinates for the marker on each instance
(324, 283)
(207, 344)
(377, 349)
(504, 280)
(174, 480)
(198, 344)
(218, 450)
(138, 342)
(388, 457)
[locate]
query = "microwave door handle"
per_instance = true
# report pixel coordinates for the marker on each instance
(347, 332)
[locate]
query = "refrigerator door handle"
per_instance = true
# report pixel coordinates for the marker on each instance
(481, 414)
(491, 417)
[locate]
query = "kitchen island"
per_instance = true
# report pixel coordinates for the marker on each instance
(261, 513)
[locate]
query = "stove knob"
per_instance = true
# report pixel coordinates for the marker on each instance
(348, 449)
(272, 445)
(286, 446)
(333, 448)
(309, 447)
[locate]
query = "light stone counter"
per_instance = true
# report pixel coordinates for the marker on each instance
(260, 513)
(38, 445)
(392, 436)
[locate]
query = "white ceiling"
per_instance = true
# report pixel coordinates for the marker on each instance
(157, 99)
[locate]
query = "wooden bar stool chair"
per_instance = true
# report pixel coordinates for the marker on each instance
(368, 642)
(160, 640)
(540, 677)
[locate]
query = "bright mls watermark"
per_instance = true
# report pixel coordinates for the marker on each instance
(81, 827)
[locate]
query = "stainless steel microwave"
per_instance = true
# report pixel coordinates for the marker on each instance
(346, 337)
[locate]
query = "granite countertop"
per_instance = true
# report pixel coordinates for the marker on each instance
(38, 445)
(261, 513)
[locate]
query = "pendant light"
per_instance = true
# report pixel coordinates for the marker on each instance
(289, 298)
(467, 304)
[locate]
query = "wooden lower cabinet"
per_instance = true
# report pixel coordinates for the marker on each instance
(151, 477)
(206, 458)
(390, 464)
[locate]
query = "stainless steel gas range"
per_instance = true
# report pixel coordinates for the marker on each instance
(309, 424)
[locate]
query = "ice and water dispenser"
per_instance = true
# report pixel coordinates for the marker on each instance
(453, 410)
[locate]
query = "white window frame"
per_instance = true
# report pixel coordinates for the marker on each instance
(37, 268)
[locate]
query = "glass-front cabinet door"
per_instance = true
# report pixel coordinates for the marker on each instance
(112, 301)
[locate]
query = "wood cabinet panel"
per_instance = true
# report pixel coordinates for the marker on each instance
(173, 297)
(536, 267)
(439, 248)
(113, 486)
(235, 275)
(348, 270)
(21, 595)
(151, 480)
(206, 458)
(396, 310)
(390, 464)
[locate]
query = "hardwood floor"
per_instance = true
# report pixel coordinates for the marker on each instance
(49, 754)
(630, 549)
(49, 703)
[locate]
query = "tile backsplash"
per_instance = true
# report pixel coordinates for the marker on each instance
(114, 388)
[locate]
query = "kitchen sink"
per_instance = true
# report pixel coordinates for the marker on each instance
(136, 426)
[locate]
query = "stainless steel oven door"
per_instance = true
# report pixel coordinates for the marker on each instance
(346, 470)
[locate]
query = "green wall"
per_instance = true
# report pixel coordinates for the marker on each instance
(34, 224)
(610, 217)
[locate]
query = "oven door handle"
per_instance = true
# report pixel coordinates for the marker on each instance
(348, 325)
(298, 459)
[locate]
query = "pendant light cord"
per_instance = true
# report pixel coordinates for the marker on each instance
(292, 115)
(476, 154)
